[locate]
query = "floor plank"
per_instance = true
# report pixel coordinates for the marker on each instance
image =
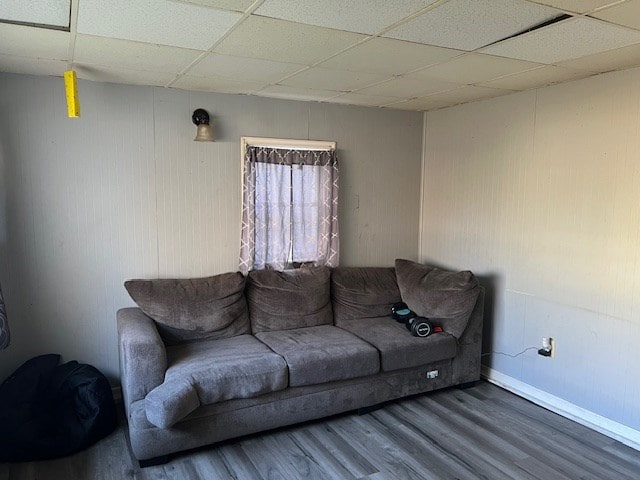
(342, 451)
(625, 453)
(446, 442)
(483, 433)
(207, 464)
(387, 457)
(570, 439)
(529, 437)
(433, 459)
(313, 448)
(237, 461)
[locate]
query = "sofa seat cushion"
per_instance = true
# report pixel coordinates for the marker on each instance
(211, 371)
(360, 292)
(322, 354)
(398, 348)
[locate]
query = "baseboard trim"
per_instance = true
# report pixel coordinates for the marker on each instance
(606, 426)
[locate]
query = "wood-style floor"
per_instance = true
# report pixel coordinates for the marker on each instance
(480, 433)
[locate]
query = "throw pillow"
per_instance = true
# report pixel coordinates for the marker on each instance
(440, 294)
(363, 292)
(194, 309)
(290, 299)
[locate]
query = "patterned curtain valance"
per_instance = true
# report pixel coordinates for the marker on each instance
(284, 156)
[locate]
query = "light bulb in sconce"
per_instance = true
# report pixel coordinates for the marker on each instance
(200, 118)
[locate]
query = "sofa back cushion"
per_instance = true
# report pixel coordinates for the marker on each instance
(194, 309)
(440, 294)
(363, 292)
(289, 299)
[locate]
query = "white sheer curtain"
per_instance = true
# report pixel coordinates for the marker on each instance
(5, 336)
(272, 215)
(306, 190)
(290, 208)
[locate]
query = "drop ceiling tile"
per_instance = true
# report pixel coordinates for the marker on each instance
(466, 25)
(134, 55)
(293, 93)
(31, 66)
(365, 100)
(33, 42)
(409, 87)
(565, 40)
(41, 12)
(326, 79)
(99, 73)
(474, 68)
(281, 41)
(577, 6)
(362, 16)
(217, 84)
(627, 14)
(236, 5)
(388, 56)
(618, 59)
(160, 21)
(539, 77)
(249, 69)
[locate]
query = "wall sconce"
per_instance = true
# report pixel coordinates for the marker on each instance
(200, 118)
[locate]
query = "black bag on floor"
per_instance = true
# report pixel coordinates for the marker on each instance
(49, 410)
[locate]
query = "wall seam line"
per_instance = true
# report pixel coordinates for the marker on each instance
(155, 177)
(422, 192)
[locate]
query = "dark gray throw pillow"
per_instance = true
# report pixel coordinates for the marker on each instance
(440, 294)
(363, 292)
(289, 299)
(195, 308)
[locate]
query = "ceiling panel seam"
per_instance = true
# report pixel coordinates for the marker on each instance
(73, 31)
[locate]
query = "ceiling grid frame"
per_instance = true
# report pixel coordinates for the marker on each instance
(613, 17)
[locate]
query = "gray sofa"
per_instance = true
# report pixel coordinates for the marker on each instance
(205, 360)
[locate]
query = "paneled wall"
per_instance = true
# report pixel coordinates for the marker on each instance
(124, 192)
(539, 194)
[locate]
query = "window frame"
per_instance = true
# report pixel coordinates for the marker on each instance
(288, 143)
(285, 143)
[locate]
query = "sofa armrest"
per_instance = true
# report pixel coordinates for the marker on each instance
(466, 364)
(143, 357)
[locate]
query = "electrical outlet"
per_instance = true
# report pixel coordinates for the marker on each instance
(548, 347)
(432, 374)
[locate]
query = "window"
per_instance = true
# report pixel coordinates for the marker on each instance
(290, 204)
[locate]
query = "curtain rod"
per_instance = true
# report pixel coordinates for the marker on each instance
(289, 147)
(288, 143)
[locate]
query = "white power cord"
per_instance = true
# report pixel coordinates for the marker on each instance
(509, 355)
